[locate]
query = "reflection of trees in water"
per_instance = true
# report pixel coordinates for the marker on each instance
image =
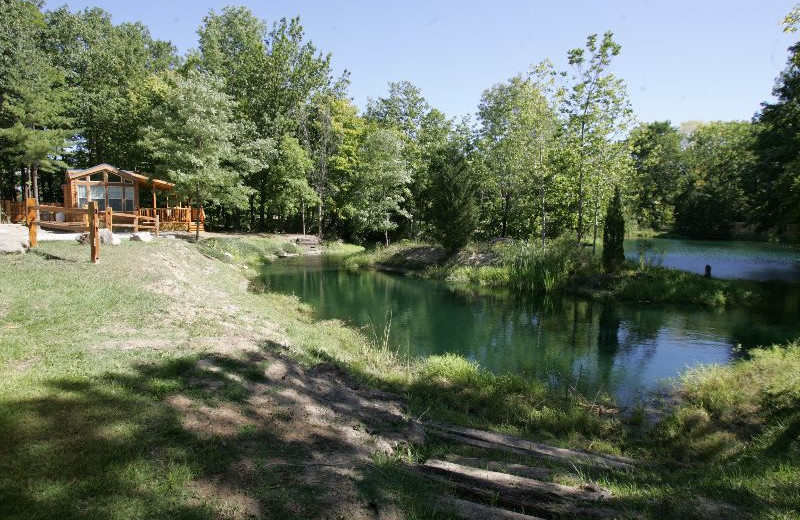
(547, 338)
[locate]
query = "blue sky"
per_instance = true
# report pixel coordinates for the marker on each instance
(682, 60)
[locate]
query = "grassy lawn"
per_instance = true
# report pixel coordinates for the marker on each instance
(105, 411)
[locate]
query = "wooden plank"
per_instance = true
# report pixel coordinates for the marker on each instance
(474, 511)
(94, 238)
(109, 219)
(72, 226)
(531, 487)
(156, 225)
(520, 470)
(31, 219)
(535, 448)
(519, 500)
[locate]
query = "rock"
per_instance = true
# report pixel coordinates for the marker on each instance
(13, 243)
(107, 237)
(227, 255)
(83, 238)
(142, 236)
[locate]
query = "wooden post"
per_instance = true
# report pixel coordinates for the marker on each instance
(109, 218)
(157, 223)
(94, 236)
(86, 218)
(30, 217)
(136, 223)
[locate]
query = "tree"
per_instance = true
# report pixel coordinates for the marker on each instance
(614, 234)
(598, 114)
(191, 137)
(776, 180)
(107, 67)
(720, 160)
(454, 211)
(659, 169)
(35, 130)
(518, 124)
(292, 193)
(381, 184)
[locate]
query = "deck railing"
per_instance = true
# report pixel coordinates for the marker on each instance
(174, 218)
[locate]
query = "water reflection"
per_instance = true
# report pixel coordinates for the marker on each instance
(624, 349)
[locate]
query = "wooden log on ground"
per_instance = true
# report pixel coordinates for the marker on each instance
(474, 511)
(505, 482)
(523, 446)
(520, 500)
(520, 470)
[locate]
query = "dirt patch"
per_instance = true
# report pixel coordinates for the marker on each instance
(22, 365)
(334, 424)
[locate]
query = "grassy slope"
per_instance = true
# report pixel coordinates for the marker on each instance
(91, 353)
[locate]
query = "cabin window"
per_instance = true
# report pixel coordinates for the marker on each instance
(82, 196)
(98, 195)
(115, 198)
(129, 198)
(97, 177)
(114, 178)
(126, 181)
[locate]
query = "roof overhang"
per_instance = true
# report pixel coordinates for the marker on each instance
(155, 183)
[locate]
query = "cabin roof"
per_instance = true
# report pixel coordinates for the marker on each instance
(156, 183)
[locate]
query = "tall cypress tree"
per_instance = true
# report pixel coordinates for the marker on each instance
(614, 235)
(454, 212)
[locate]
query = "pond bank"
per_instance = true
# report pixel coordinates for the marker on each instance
(493, 266)
(177, 409)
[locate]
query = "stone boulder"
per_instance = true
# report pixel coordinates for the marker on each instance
(13, 239)
(142, 236)
(108, 238)
(105, 236)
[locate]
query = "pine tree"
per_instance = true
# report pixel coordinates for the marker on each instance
(454, 211)
(614, 235)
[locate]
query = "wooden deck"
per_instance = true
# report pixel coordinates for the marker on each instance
(170, 219)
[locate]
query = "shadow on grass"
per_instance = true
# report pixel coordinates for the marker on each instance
(116, 447)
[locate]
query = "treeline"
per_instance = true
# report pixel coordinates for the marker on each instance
(255, 125)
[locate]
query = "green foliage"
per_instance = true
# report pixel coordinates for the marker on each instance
(721, 161)
(381, 185)
(454, 211)
(659, 169)
(191, 138)
(537, 269)
(614, 235)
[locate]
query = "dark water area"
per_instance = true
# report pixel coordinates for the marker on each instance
(625, 349)
(728, 259)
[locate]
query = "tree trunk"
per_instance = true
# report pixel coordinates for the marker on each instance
(319, 220)
(252, 201)
(580, 186)
(596, 211)
(26, 192)
(303, 213)
(197, 217)
(262, 203)
(506, 211)
(544, 217)
(386, 236)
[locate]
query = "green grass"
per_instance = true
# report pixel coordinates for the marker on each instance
(561, 267)
(92, 354)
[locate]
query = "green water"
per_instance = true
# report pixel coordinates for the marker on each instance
(624, 349)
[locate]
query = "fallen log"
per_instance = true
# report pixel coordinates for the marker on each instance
(474, 511)
(526, 447)
(504, 482)
(504, 467)
(519, 500)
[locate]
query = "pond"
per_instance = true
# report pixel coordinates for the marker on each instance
(728, 259)
(624, 349)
